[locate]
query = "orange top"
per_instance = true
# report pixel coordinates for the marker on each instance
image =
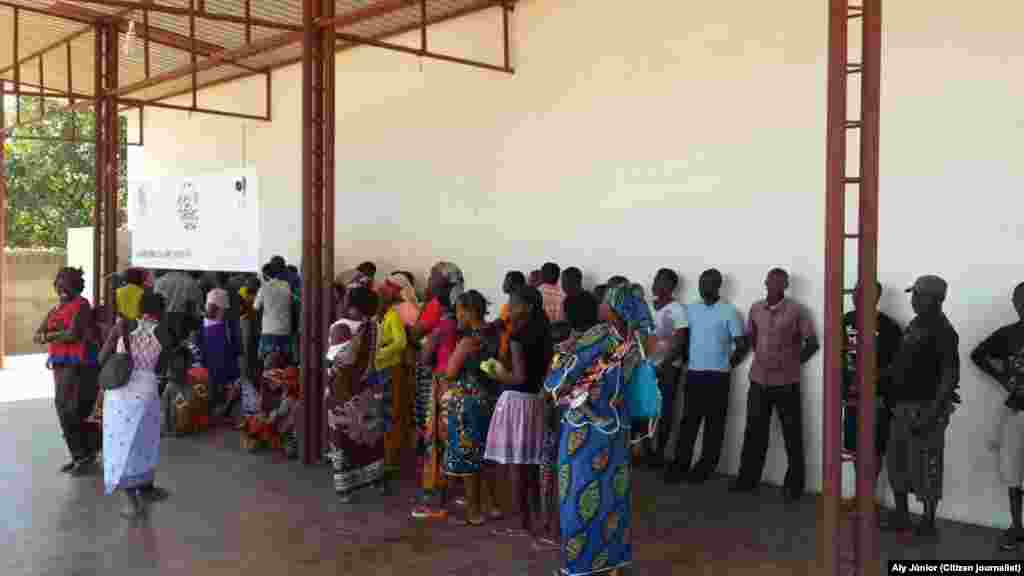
(506, 333)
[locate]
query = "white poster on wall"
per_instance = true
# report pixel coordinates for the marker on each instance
(208, 222)
(139, 202)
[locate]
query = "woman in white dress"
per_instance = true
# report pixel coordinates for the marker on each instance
(131, 414)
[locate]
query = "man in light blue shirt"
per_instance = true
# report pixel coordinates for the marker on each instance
(717, 343)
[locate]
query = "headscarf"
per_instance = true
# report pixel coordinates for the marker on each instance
(453, 275)
(405, 288)
(136, 276)
(389, 290)
(629, 304)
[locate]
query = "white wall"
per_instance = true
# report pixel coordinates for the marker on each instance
(681, 134)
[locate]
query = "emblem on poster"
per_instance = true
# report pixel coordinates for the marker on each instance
(188, 206)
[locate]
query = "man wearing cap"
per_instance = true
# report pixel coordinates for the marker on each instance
(922, 395)
(1001, 356)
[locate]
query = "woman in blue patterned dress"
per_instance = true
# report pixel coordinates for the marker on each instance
(467, 407)
(594, 484)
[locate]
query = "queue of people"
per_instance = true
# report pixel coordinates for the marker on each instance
(540, 395)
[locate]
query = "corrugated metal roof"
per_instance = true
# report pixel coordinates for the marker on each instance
(40, 28)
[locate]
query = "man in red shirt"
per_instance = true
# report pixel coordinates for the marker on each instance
(552, 293)
(783, 339)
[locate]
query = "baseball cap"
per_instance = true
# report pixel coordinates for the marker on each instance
(930, 285)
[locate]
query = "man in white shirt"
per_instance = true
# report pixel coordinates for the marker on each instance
(274, 300)
(670, 329)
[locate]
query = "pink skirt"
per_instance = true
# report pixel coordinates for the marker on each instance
(516, 434)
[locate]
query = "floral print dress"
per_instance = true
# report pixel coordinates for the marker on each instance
(131, 422)
(466, 410)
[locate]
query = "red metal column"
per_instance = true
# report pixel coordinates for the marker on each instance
(108, 152)
(865, 536)
(99, 213)
(312, 435)
(327, 263)
(113, 159)
(832, 480)
(867, 260)
(3, 225)
(316, 225)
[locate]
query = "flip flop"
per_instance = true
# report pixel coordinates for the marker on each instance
(463, 523)
(510, 532)
(546, 545)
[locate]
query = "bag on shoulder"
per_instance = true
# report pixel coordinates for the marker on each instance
(117, 370)
(643, 396)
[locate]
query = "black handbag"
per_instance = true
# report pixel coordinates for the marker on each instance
(117, 370)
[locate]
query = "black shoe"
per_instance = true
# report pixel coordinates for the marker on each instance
(791, 496)
(697, 478)
(83, 466)
(674, 475)
(1008, 541)
(926, 530)
(739, 487)
(68, 467)
(154, 494)
(133, 508)
(896, 523)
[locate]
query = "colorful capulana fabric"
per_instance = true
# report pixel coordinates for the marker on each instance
(466, 410)
(355, 424)
(593, 474)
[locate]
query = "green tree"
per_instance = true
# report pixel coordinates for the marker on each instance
(51, 185)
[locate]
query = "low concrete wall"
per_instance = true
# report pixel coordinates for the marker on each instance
(29, 295)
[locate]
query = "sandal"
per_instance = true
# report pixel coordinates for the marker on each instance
(546, 544)
(510, 532)
(425, 513)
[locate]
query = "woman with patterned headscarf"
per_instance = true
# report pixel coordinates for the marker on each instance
(409, 303)
(435, 331)
(594, 485)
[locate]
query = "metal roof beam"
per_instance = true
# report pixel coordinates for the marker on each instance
(484, 5)
(57, 43)
(199, 13)
(154, 34)
(42, 11)
(214, 61)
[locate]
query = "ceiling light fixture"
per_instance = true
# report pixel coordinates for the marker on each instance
(128, 47)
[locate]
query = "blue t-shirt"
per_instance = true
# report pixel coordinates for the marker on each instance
(712, 332)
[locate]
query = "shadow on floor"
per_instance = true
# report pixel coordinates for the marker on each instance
(255, 514)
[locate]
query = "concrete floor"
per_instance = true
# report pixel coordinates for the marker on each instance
(234, 513)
